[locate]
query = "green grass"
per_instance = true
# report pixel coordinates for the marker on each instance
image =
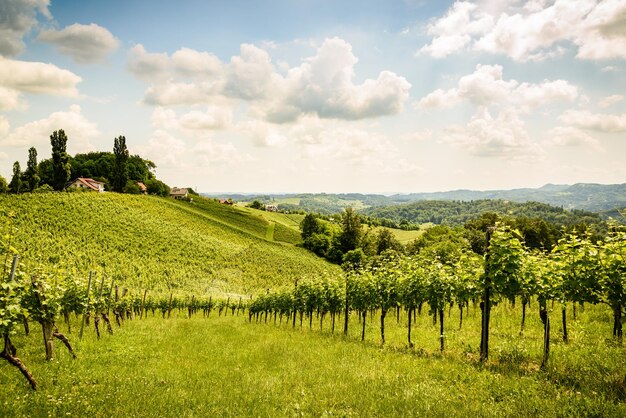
(156, 243)
(228, 367)
(269, 234)
(401, 235)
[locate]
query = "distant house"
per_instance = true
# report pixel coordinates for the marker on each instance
(226, 201)
(86, 184)
(142, 187)
(271, 208)
(179, 193)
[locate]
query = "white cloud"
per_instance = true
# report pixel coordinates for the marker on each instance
(486, 86)
(79, 131)
(442, 99)
(17, 18)
(164, 149)
(610, 100)
(352, 146)
(184, 63)
(603, 34)
(569, 136)
(502, 137)
(250, 75)
(215, 117)
(209, 153)
(5, 126)
(262, 134)
(534, 32)
(37, 77)
(190, 62)
(147, 65)
(10, 99)
(321, 85)
(594, 121)
(453, 32)
(173, 93)
(530, 96)
(84, 43)
(163, 118)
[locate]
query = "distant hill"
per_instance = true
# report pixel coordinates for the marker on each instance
(600, 198)
(585, 196)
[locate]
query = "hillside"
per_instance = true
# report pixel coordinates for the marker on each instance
(158, 243)
(601, 198)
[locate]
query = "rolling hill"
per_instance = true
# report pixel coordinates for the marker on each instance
(158, 243)
(601, 198)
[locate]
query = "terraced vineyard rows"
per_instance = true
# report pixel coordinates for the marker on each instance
(155, 243)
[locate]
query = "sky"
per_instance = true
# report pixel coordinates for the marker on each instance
(371, 96)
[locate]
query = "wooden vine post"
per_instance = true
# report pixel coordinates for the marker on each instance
(486, 303)
(82, 325)
(143, 303)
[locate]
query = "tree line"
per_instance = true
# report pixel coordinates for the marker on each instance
(351, 237)
(118, 170)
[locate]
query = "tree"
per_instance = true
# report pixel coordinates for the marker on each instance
(31, 175)
(61, 168)
(4, 187)
(16, 180)
(309, 226)
(131, 188)
(351, 231)
(385, 240)
(256, 205)
(120, 168)
(157, 187)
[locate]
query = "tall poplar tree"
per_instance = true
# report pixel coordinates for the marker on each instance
(120, 169)
(61, 168)
(4, 187)
(31, 175)
(16, 181)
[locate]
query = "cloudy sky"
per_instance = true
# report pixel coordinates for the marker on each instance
(371, 96)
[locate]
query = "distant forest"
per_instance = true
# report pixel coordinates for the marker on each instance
(441, 212)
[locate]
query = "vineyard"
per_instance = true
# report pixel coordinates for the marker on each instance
(576, 274)
(146, 242)
(89, 272)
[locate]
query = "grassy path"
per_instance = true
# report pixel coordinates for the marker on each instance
(229, 367)
(269, 234)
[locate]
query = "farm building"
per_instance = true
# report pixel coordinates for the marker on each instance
(271, 208)
(142, 187)
(86, 184)
(179, 193)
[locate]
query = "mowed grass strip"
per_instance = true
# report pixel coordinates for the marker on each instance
(226, 366)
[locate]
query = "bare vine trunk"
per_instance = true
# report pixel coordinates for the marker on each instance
(9, 354)
(383, 313)
(364, 315)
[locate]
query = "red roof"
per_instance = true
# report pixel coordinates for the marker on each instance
(90, 183)
(142, 186)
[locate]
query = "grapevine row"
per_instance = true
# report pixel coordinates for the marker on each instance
(577, 271)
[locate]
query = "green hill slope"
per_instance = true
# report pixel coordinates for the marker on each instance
(156, 243)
